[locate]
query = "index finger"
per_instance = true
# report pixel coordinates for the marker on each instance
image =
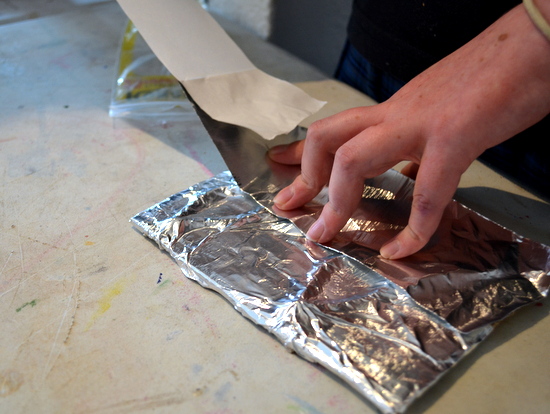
(367, 155)
(323, 139)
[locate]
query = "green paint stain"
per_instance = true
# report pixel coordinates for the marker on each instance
(32, 304)
(162, 284)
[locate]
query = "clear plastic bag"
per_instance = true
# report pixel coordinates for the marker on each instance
(143, 87)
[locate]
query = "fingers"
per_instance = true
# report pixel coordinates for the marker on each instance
(348, 148)
(323, 139)
(290, 154)
(345, 189)
(435, 185)
(296, 194)
(410, 170)
(366, 155)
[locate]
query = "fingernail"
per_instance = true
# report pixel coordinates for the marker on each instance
(391, 249)
(316, 231)
(283, 197)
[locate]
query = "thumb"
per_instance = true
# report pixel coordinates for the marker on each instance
(290, 154)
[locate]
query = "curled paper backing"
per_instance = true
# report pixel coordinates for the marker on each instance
(233, 97)
(215, 71)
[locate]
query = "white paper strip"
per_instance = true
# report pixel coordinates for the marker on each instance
(215, 71)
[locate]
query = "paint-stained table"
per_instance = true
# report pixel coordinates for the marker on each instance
(95, 318)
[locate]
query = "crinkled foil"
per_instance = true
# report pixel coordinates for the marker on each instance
(390, 329)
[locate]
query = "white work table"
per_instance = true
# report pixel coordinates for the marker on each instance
(94, 318)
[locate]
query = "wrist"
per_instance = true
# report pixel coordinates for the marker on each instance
(539, 13)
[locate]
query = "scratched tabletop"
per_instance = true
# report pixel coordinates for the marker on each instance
(94, 318)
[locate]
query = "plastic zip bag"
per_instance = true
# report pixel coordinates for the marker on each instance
(143, 87)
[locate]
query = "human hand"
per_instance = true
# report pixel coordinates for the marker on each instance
(441, 121)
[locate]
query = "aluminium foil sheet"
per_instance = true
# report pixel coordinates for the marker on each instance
(390, 329)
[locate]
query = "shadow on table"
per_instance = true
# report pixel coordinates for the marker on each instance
(527, 217)
(185, 134)
(504, 331)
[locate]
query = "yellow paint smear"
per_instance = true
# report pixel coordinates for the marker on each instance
(104, 303)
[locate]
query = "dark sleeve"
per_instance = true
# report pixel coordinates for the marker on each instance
(405, 37)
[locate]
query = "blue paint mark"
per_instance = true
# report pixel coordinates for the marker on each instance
(221, 393)
(304, 406)
(173, 335)
(196, 368)
(54, 43)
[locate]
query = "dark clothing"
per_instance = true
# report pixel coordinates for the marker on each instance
(405, 37)
(525, 159)
(359, 73)
(392, 41)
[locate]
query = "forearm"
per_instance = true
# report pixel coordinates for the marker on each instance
(484, 93)
(490, 89)
(528, 60)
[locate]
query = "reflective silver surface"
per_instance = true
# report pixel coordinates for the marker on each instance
(466, 247)
(390, 329)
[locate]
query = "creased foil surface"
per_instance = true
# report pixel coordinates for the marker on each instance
(390, 329)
